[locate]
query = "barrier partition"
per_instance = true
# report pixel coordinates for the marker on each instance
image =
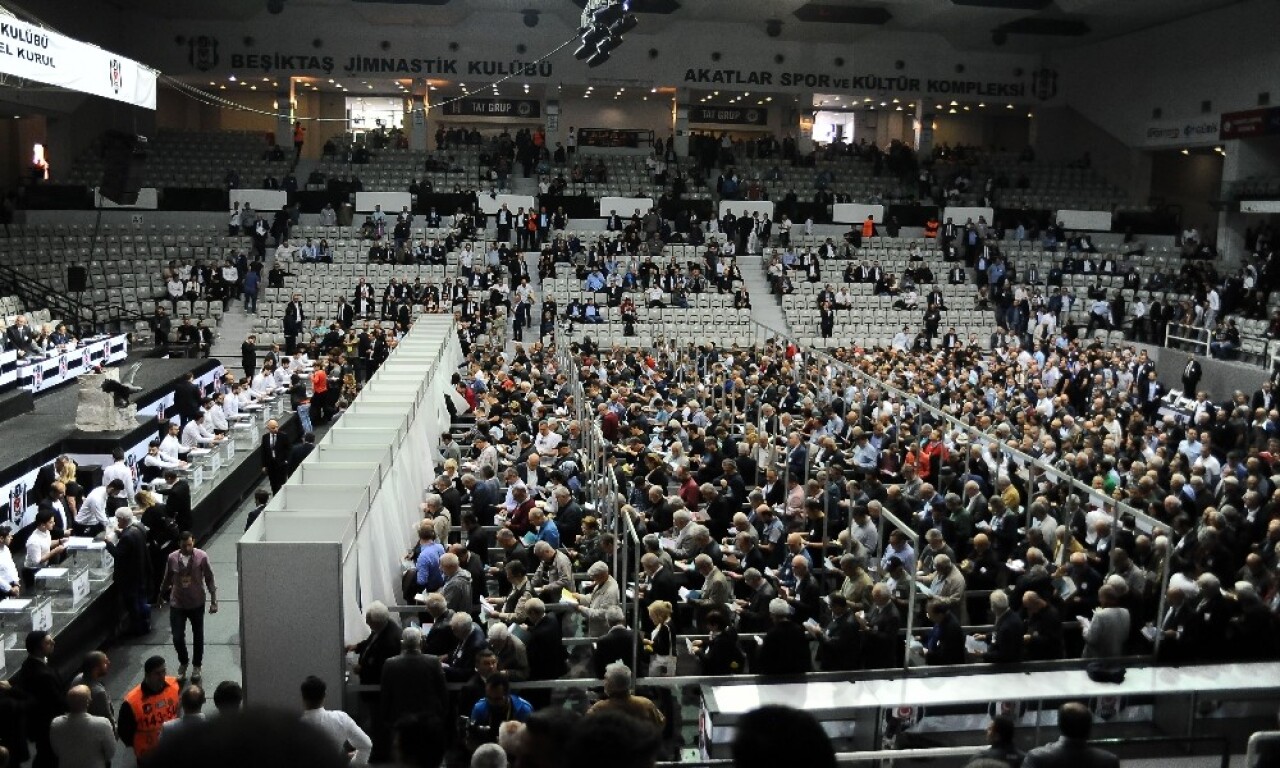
(331, 541)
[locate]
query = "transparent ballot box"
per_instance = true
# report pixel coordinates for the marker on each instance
(66, 587)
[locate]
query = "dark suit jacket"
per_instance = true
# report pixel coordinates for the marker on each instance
(838, 645)
(1006, 640)
(177, 500)
(293, 319)
(483, 500)
(880, 642)
(462, 659)
(662, 586)
(411, 684)
(950, 646)
(721, 655)
(545, 649)
(617, 644)
(785, 650)
(186, 399)
(452, 501)
(276, 461)
(1069, 753)
(1045, 629)
(374, 650)
(46, 695)
(299, 453)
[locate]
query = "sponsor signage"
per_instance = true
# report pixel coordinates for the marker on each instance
(729, 115)
(1182, 133)
(1042, 83)
(39, 54)
(518, 108)
(1250, 123)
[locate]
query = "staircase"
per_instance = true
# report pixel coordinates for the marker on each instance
(766, 309)
(517, 184)
(75, 311)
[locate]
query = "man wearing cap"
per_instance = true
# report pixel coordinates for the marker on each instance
(147, 707)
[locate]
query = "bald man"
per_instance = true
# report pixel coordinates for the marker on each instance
(79, 738)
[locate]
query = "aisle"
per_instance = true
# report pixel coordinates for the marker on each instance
(221, 630)
(765, 308)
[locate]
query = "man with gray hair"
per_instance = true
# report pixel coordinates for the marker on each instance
(510, 650)
(618, 698)
(128, 545)
(460, 664)
(554, 573)
(413, 685)
(382, 643)
(617, 644)
(604, 595)
(457, 583)
(785, 650)
(490, 755)
(1209, 620)
(753, 614)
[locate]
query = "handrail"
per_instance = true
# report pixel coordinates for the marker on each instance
(924, 753)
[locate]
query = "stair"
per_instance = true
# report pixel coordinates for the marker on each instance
(766, 309)
(517, 184)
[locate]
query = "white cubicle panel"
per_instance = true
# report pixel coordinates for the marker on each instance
(295, 496)
(260, 199)
(315, 526)
(763, 207)
(360, 475)
(1093, 221)
(342, 454)
(391, 202)
(289, 590)
(342, 434)
(959, 215)
(490, 205)
(625, 206)
(856, 213)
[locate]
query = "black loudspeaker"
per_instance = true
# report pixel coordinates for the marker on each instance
(77, 279)
(122, 168)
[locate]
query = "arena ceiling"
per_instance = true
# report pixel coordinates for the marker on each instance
(967, 24)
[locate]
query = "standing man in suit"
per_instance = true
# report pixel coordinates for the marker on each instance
(45, 693)
(838, 641)
(275, 455)
(186, 400)
(412, 685)
(1072, 749)
(177, 502)
(1191, 377)
(294, 320)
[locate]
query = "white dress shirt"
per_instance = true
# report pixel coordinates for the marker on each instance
(195, 434)
(217, 418)
(340, 729)
(38, 546)
(170, 447)
(94, 509)
(8, 570)
(120, 471)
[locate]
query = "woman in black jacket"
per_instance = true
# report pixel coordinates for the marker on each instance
(720, 653)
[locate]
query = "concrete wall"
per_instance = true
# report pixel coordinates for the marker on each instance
(1226, 56)
(1190, 182)
(1063, 134)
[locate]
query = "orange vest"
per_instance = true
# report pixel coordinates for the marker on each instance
(931, 228)
(152, 713)
(868, 228)
(319, 382)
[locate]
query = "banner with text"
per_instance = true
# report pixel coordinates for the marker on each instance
(35, 53)
(1189, 132)
(518, 108)
(1251, 123)
(729, 115)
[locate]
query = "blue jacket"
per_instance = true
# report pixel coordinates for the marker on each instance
(519, 710)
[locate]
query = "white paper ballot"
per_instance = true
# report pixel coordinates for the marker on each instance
(14, 604)
(1017, 566)
(684, 593)
(975, 646)
(812, 623)
(487, 608)
(1149, 632)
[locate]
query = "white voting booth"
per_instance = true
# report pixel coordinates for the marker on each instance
(330, 542)
(490, 204)
(856, 213)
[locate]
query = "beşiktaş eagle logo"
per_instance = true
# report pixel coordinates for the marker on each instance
(17, 501)
(751, 116)
(116, 73)
(1044, 83)
(62, 367)
(88, 359)
(37, 375)
(202, 52)
(524, 108)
